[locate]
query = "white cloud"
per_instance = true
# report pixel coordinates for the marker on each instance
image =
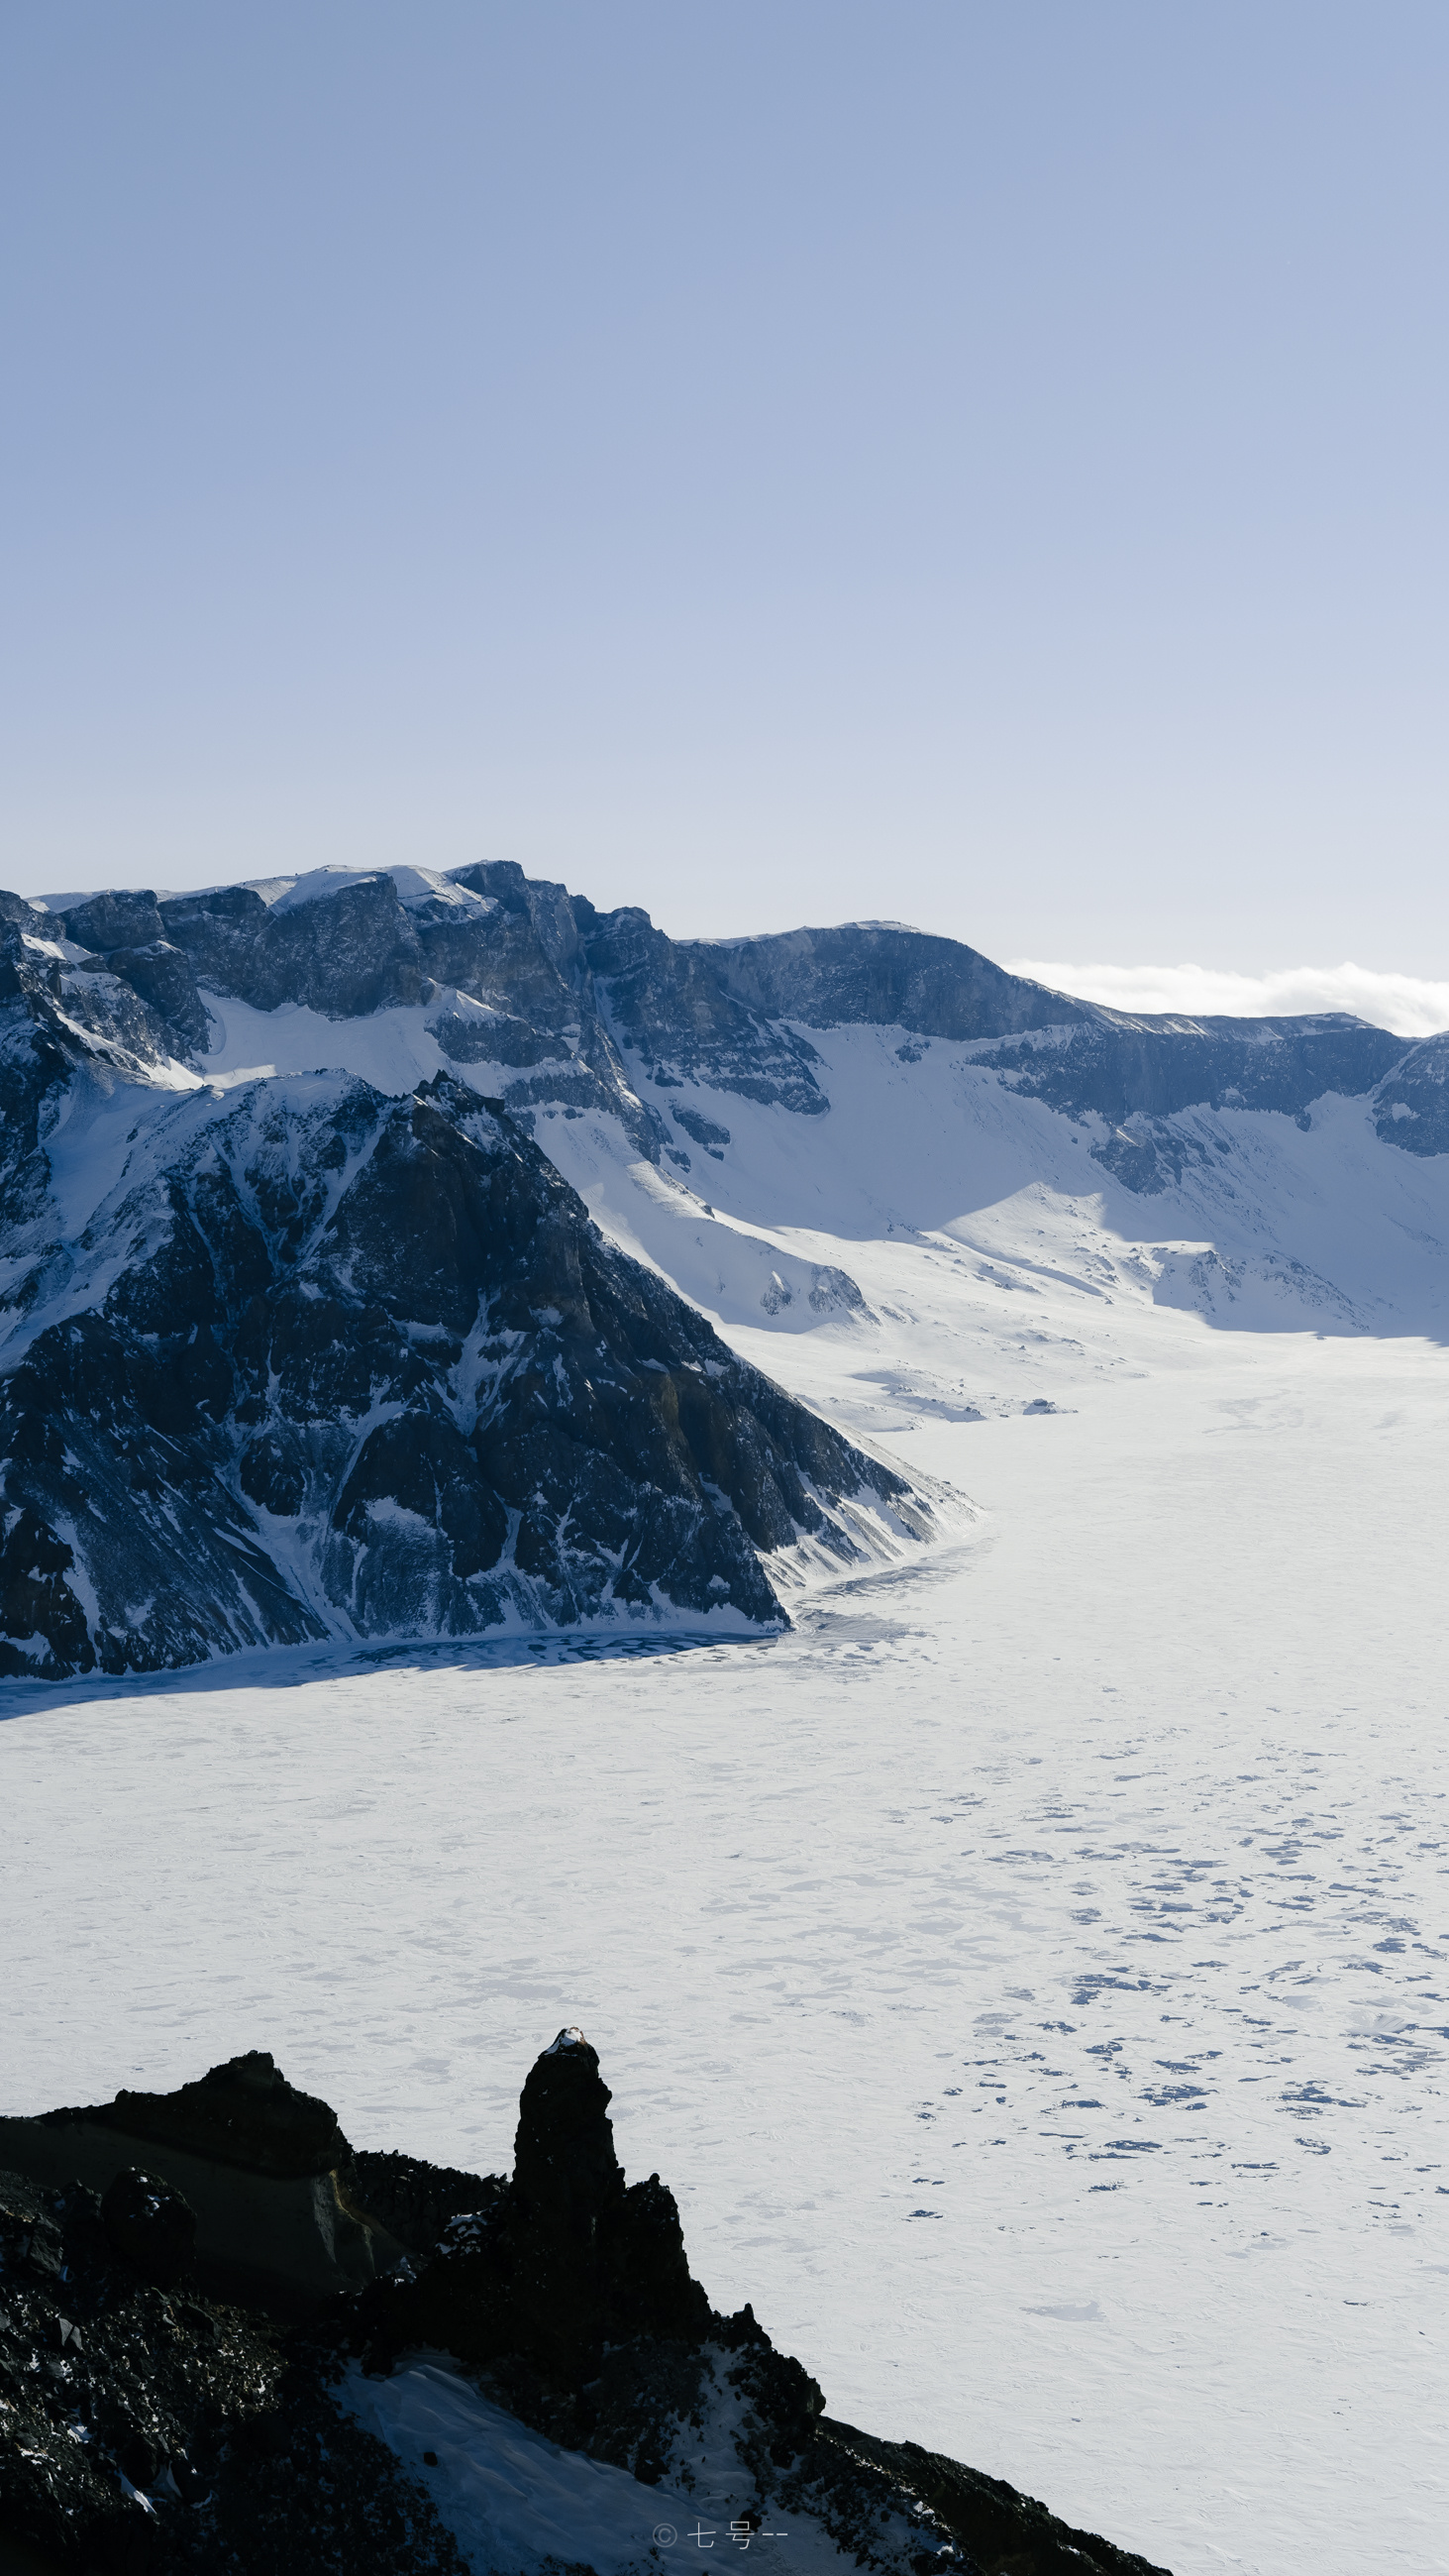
(1408, 1004)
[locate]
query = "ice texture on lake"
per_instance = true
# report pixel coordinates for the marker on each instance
(1029, 1973)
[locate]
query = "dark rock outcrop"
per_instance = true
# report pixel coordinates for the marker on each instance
(1003, 2532)
(521, 974)
(119, 918)
(673, 1003)
(1411, 1106)
(162, 977)
(486, 936)
(147, 2431)
(569, 2294)
(350, 951)
(882, 974)
(333, 1363)
(244, 2113)
(565, 987)
(149, 2226)
(1117, 1065)
(237, 2178)
(413, 2200)
(213, 2439)
(566, 2259)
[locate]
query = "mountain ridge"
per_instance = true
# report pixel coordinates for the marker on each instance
(564, 985)
(317, 1340)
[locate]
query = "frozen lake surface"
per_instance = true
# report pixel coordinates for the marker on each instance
(1030, 1973)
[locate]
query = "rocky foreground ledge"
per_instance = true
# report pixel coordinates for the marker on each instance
(231, 2345)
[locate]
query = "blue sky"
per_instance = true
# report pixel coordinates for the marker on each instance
(981, 465)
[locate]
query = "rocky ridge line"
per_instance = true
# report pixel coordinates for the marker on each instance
(148, 2424)
(571, 1006)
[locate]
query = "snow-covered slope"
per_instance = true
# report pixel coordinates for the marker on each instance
(941, 1243)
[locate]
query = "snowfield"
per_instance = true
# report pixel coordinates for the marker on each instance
(1030, 1973)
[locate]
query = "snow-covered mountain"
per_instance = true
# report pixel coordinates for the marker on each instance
(395, 1253)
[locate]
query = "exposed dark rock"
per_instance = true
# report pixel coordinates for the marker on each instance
(885, 975)
(326, 1363)
(703, 1130)
(163, 977)
(423, 1465)
(352, 949)
(492, 938)
(568, 2295)
(246, 2170)
(1006, 2533)
(830, 1288)
(108, 1008)
(413, 2200)
(149, 2226)
(528, 976)
(566, 2259)
(1146, 1076)
(28, 973)
(209, 2439)
(147, 2434)
(558, 1436)
(270, 1478)
(1116, 1065)
(13, 907)
(497, 1038)
(1411, 1106)
(243, 2113)
(1149, 1156)
(121, 918)
(673, 1003)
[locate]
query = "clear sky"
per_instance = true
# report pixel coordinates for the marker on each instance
(768, 460)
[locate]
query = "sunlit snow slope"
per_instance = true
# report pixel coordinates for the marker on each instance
(998, 1264)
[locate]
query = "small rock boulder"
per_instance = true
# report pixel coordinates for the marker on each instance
(151, 2226)
(243, 2113)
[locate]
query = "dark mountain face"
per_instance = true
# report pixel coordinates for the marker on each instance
(324, 1362)
(574, 998)
(1411, 1107)
(192, 2278)
(574, 1003)
(1119, 1066)
(1075, 1056)
(885, 975)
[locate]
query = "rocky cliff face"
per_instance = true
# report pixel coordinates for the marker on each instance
(323, 1362)
(569, 1002)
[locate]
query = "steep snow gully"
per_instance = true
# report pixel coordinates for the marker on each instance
(448, 1329)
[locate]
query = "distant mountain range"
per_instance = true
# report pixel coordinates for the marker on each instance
(304, 1336)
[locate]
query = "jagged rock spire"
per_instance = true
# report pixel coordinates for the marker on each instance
(569, 2258)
